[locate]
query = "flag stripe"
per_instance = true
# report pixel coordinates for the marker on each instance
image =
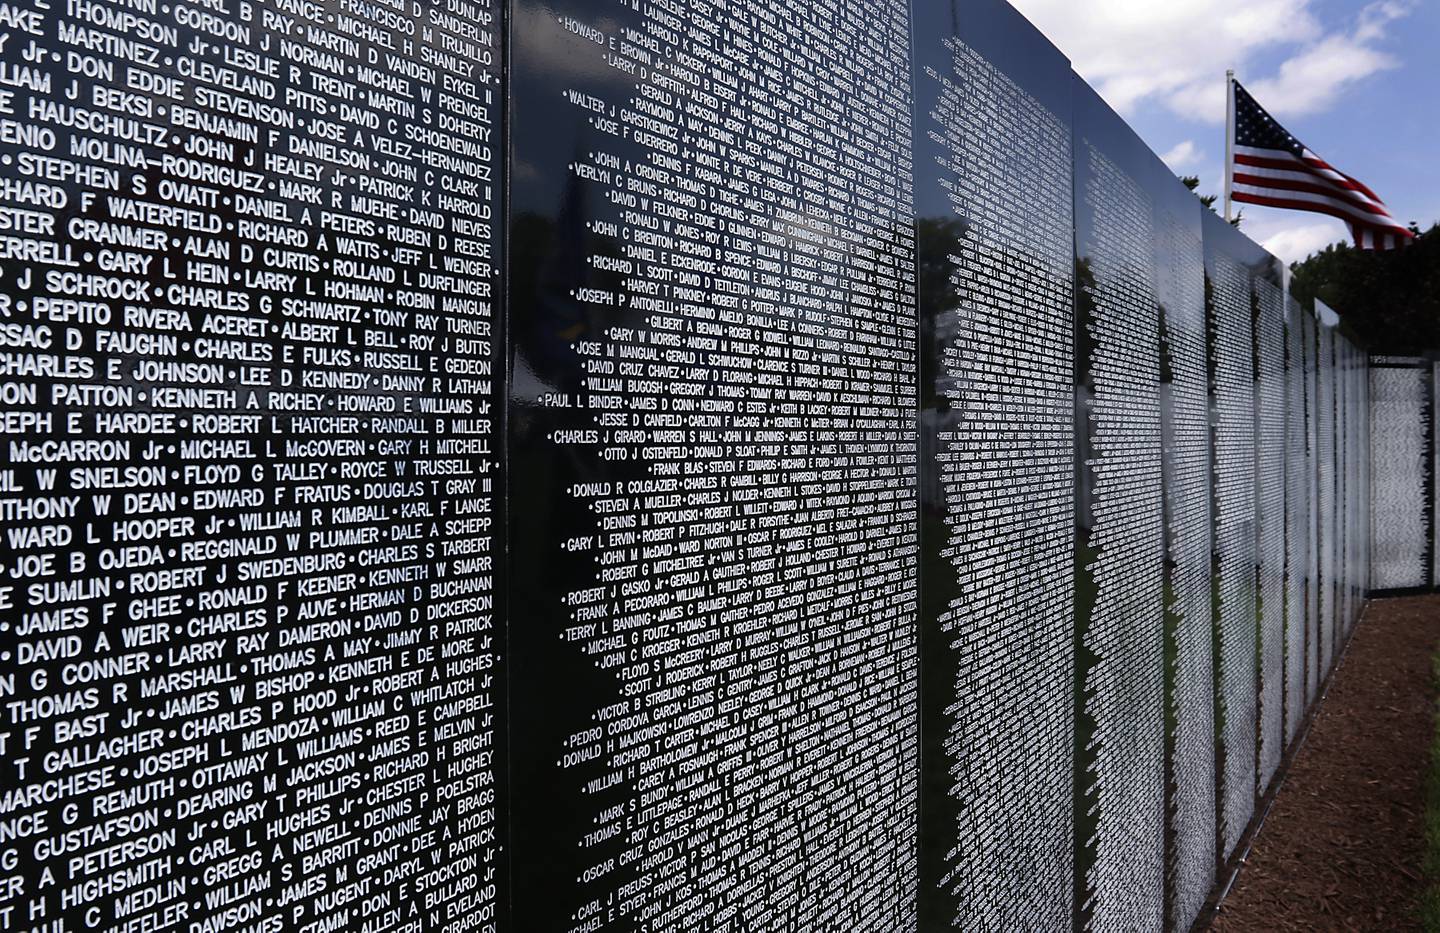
(1318, 208)
(1279, 159)
(1298, 198)
(1322, 164)
(1341, 178)
(1300, 201)
(1269, 179)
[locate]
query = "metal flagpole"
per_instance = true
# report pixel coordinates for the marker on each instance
(1229, 139)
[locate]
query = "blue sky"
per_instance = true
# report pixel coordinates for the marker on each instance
(1357, 82)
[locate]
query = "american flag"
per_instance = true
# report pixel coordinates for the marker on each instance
(1275, 169)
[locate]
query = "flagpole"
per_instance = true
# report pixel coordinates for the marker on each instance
(1229, 139)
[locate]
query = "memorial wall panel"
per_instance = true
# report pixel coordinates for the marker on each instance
(1342, 499)
(1344, 511)
(1312, 471)
(1400, 461)
(995, 253)
(1270, 515)
(1328, 507)
(1120, 564)
(1338, 554)
(1363, 456)
(1190, 677)
(1360, 488)
(1357, 525)
(1341, 488)
(1352, 491)
(1231, 262)
(1297, 520)
(251, 673)
(713, 462)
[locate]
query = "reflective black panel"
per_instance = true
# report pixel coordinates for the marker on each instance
(993, 237)
(1120, 564)
(713, 463)
(250, 480)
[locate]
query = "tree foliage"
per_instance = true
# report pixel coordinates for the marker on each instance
(1389, 299)
(1193, 182)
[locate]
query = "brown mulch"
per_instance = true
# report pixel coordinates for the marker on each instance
(1342, 847)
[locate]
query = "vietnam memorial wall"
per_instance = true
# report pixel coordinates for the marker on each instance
(645, 466)
(1402, 422)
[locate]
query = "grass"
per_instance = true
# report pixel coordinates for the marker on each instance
(1430, 897)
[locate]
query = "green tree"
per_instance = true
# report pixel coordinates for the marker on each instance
(1390, 299)
(1193, 182)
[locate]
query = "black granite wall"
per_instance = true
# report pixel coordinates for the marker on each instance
(643, 466)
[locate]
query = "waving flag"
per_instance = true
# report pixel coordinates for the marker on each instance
(1271, 167)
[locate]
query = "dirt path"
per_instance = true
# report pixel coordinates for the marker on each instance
(1341, 848)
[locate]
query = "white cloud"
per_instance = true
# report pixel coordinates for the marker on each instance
(1182, 154)
(1293, 242)
(1176, 52)
(1375, 17)
(1310, 81)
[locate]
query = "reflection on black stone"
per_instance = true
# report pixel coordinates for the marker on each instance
(1180, 286)
(713, 415)
(1297, 519)
(1121, 567)
(997, 393)
(1233, 402)
(1270, 517)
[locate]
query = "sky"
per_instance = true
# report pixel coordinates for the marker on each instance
(1357, 82)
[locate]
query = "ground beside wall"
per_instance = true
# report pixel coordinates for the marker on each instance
(1342, 846)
